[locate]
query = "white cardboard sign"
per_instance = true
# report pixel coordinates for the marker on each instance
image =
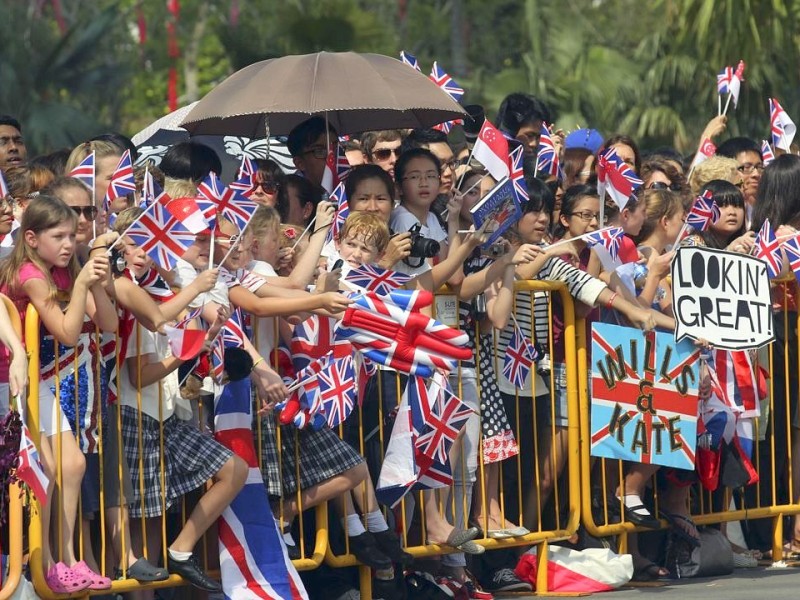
(721, 297)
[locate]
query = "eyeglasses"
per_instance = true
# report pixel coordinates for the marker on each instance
(317, 151)
(88, 212)
(417, 178)
(7, 203)
(269, 187)
(450, 164)
(748, 168)
(227, 239)
(586, 215)
(384, 153)
(660, 185)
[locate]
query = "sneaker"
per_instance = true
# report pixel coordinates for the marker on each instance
(190, 570)
(504, 580)
(475, 591)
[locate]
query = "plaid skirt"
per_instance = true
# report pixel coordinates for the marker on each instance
(190, 459)
(322, 455)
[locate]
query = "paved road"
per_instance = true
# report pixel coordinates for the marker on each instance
(744, 584)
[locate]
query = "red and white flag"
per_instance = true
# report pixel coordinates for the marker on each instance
(491, 150)
(185, 343)
(189, 213)
(29, 469)
(706, 151)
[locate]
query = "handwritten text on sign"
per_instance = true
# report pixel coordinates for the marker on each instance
(721, 297)
(644, 396)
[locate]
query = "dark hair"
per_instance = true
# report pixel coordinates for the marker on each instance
(307, 133)
(370, 138)
(120, 141)
(55, 162)
(307, 192)
(620, 138)
(407, 156)
(656, 165)
(269, 167)
(11, 122)
(572, 162)
(778, 197)
(540, 197)
(421, 138)
(517, 109)
(736, 145)
(664, 153)
(465, 177)
(362, 173)
(724, 194)
(190, 160)
(571, 197)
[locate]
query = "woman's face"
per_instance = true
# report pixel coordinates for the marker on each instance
(674, 224)
(372, 196)
(420, 184)
(731, 219)
(265, 191)
(473, 188)
(78, 199)
(532, 227)
(625, 152)
(583, 218)
(6, 215)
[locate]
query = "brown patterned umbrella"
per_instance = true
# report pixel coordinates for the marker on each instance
(357, 92)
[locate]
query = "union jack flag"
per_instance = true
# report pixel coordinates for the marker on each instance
(122, 181)
(209, 197)
(704, 212)
(245, 177)
(85, 172)
(781, 126)
(155, 285)
(190, 316)
(792, 249)
(520, 356)
(29, 468)
(337, 389)
(235, 207)
(768, 249)
(724, 79)
(446, 83)
(339, 198)
(616, 177)
(161, 235)
(517, 176)
(151, 191)
(734, 382)
(547, 158)
(337, 167)
(313, 339)
(3, 186)
(233, 332)
(447, 416)
(376, 279)
(767, 155)
(609, 238)
(410, 60)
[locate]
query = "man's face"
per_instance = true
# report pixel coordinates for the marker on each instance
(385, 154)
(442, 151)
(13, 152)
(750, 167)
(312, 159)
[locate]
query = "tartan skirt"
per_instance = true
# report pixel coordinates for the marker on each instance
(190, 459)
(322, 455)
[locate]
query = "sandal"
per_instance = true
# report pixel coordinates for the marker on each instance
(63, 580)
(683, 527)
(98, 582)
(644, 570)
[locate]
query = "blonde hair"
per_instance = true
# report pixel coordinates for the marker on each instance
(716, 167)
(125, 218)
(100, 148)
(264, 219)
(180, 188)
(657, 205)
(370, 225)
(43, 213)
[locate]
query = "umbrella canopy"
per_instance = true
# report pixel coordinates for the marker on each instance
(357, 92)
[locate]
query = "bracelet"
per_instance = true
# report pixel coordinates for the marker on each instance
(97, 248)
(258, 360)
(610, 303)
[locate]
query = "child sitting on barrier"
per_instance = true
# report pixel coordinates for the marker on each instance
(43, 271)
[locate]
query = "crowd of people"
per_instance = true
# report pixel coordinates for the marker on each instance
(410, 195)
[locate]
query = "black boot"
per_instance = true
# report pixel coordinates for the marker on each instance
(366, 550)
(389, 543)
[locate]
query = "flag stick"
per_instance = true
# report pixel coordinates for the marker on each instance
(577, 237)
(727, 103)
(719, 105)
(236, 243)
(211, 251)
(680, 235)
(124, 233)
(305, 231)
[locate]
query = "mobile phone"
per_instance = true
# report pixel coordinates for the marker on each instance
(337, 265)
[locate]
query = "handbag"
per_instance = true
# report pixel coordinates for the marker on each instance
(714, 556)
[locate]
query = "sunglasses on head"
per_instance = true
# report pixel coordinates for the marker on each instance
(89, 212)
(660, 185)
(385, 153)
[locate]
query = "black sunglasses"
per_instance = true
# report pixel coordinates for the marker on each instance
(660, 185)
(89, 212)
(269, 187)
(385, 153)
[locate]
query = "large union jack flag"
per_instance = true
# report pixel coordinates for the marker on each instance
(616, 178)
(519, 358)
(337, 390)
(704, 212)
(85, 172)
(768, 249)
(447, 416)
(446, 83)
(371, 278)
(209, 197)
(609, 238)
(235, 207)
(161, 235)
(122, 181)
(517, 175)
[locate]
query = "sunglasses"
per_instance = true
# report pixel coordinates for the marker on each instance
(88, 212)
(269, 187)
(385, 153)
(660, 185)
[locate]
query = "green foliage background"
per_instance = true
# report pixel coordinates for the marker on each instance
(643, 68)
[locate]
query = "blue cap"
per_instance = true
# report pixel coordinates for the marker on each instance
(584, 138)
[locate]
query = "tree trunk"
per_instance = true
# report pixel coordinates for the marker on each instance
(192, 52)
(458, 46)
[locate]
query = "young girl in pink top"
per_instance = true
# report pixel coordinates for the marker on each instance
(43, 271)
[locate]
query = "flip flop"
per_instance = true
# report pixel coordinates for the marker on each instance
(681, 526)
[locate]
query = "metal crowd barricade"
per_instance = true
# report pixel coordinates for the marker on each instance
(773, 497)
(15, 547)
(565, 493)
